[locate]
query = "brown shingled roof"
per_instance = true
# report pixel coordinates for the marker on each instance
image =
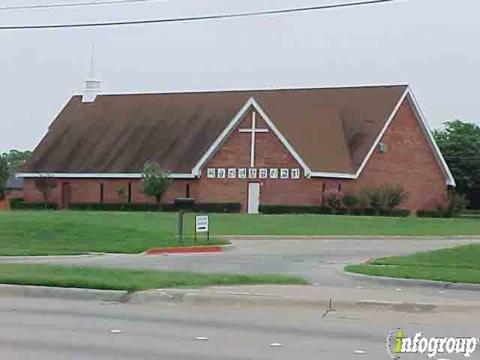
(332, 129)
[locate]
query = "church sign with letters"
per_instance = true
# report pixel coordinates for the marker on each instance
(201, 226)
(253, 173)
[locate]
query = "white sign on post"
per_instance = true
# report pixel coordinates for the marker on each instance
(201, 223)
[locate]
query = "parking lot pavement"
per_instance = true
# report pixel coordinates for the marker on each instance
(321, 261)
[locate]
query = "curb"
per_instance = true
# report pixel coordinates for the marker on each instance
(414, 282)
(42, 257)
(348, 237)
(62, 293)
(209, 249)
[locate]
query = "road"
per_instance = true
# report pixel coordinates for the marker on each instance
(59, 329)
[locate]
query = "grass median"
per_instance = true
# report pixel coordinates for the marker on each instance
(457, 265)
(129, 280)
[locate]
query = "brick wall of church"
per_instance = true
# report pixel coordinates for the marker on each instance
(409, 161)
(89, 191)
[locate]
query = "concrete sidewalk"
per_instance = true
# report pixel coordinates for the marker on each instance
(324, 298)
(327, 298)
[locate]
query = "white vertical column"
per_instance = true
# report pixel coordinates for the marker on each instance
(252, 146)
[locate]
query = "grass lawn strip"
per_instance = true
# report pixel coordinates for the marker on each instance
(80, 232)
(129, 280)
(74, 233)
(457, 265)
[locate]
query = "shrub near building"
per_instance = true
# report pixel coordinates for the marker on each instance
(382, 201)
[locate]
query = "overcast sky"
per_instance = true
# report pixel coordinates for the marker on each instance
(430, 44)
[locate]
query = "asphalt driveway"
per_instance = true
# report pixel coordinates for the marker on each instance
(321, 261)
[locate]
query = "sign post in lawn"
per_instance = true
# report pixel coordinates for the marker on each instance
(201, 226)
(183, 204)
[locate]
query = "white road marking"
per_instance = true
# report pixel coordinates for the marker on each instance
(359, 352)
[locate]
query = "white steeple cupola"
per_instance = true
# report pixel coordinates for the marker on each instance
(92, 84)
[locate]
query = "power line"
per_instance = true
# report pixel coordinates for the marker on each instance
(197, 18)
(90, 3)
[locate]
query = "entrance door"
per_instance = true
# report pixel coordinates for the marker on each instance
(253, 197)
(66, 195)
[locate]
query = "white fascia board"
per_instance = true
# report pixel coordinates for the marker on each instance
(333, 175)
(380, 135)
(97, 175)
(222, 137)
(428, 133)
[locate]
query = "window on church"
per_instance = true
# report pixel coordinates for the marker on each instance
(284, 173)
(101, 192)
(211, 173)
(242, 173)
(295, 173)
(324, 187)
(187, 190)
(263, 173)
(382, 147)
(129, 192)
(232, 173)
(221, 174)
(252, 173)
(273, 173)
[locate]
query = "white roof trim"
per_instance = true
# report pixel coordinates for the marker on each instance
(428, 133)
(222, 137)
(408, 94)
(379, 137)
(333, 175)
(98, 175)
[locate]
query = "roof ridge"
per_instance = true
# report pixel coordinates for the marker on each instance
(293, 88)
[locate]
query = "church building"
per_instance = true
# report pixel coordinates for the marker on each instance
(258, 147)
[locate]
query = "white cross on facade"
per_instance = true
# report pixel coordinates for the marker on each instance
(253, 130)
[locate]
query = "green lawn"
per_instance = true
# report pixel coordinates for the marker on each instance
(77, 232)
(459, 264)
(236, 224)
(57, 233)
(129, 280)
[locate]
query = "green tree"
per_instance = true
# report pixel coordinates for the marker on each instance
(394, 196)
(155, 181)
(16, 158)
(4, 174)
(45, 185)
(460, 145)
(122, 193)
